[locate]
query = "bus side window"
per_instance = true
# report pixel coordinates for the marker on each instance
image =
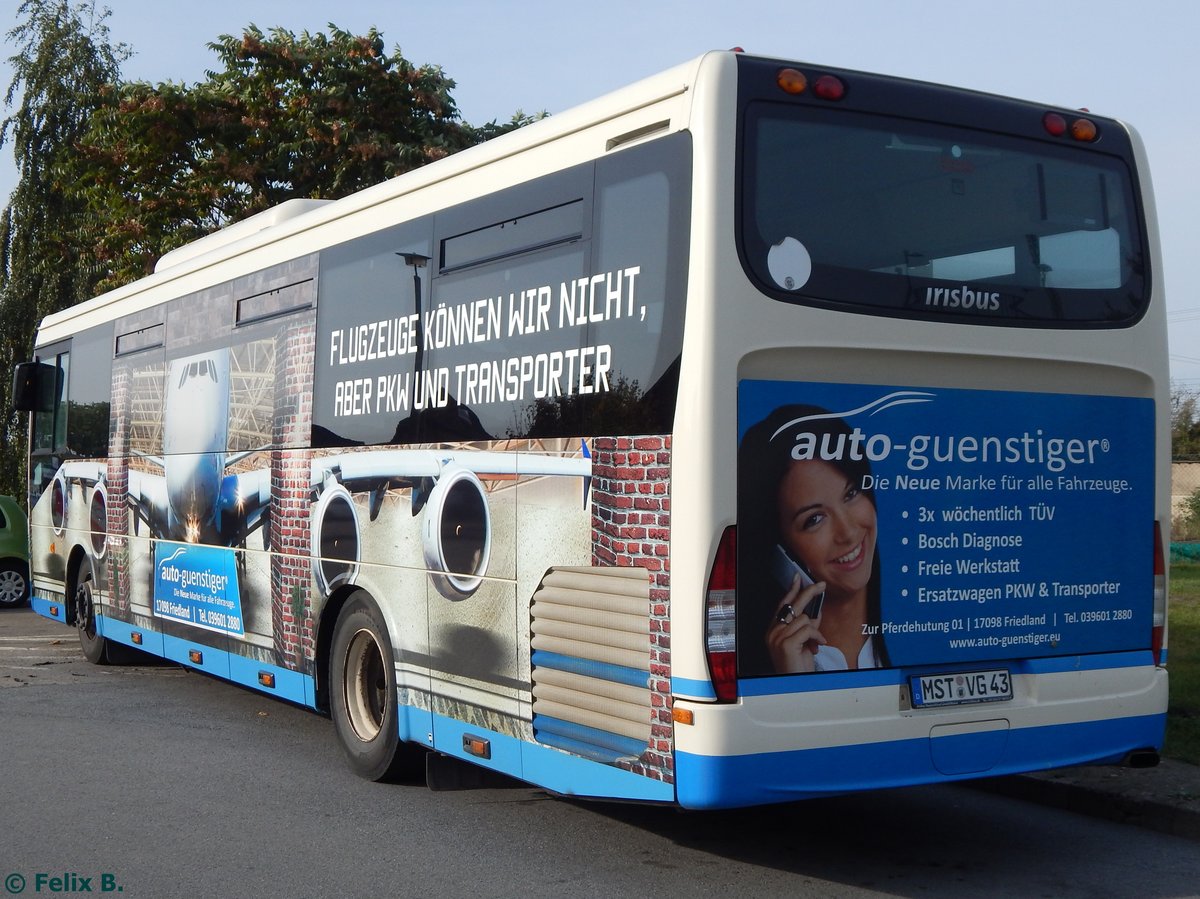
(88, 392)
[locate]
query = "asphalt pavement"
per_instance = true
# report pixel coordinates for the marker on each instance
(1165, 798)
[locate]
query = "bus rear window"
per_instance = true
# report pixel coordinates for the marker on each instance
(900, 217)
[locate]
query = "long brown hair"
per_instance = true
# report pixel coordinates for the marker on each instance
(763, 459)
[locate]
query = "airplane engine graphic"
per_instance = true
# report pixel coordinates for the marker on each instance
(98, 518)
(455, 528)
(445, 491)
(456, 532)
(58, 502)
(85, 474)
(336, 539)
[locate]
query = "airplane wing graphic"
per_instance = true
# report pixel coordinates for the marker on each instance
(455, 527)
(378, 471)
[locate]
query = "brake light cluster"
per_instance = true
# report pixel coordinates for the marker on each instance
(794, 82)
(1158, 629)
(1080, 129)
(719, 626)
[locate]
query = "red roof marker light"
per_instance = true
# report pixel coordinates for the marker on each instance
(1055, 125)
(829, 87)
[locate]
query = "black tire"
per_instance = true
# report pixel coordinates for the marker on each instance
(14, 583)
(363, 700)
(93, 645)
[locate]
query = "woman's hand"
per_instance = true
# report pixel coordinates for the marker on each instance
(793, 637)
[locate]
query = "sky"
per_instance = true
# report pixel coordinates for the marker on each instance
(1128, 59)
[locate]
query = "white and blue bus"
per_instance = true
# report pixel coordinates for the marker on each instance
(759, 431)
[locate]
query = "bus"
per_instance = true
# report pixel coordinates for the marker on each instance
(759, 431)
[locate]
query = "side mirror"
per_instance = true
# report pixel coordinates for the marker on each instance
(35, 387)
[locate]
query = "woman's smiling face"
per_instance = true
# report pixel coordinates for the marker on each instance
(828, 524)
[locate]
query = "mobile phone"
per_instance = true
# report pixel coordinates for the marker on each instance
(785, 568)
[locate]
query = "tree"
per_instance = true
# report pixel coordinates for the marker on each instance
(62, 69)
(1185, 422)
(318, 116)
(115, 175)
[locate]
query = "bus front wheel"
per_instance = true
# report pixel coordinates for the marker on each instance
(92, 644)
(363, 700)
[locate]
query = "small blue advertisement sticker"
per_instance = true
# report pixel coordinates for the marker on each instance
(198, 585)
(883, 526)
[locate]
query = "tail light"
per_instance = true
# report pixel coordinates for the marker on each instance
(829, 87)
(794, 82)
(791, 81)
(1080, 129)
(719, 625)
(1158, 630)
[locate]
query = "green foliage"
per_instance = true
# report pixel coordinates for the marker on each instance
(114, 175)
(1183, 662)
(61, 70)
(284, 116)
(1186, 526)
(1185, 520)
(1185, 422)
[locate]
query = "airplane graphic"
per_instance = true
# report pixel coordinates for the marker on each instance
(196, 499)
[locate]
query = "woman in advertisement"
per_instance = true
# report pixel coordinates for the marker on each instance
(808, 534)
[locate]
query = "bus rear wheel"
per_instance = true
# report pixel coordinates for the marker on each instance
(363, 700)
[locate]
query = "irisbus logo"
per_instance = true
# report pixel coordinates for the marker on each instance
(962, 298)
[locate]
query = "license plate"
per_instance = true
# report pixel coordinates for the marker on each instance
(993, 685)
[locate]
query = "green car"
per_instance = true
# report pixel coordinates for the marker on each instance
(14, 553)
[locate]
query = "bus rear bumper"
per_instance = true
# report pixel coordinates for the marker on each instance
(815, 741)
(708, 782)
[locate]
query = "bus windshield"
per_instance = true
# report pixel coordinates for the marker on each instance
(913, 218)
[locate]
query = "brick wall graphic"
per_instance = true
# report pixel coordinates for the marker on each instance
(291, 573)
(117, 487)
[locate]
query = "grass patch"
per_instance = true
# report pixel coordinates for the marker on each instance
(1183, 663)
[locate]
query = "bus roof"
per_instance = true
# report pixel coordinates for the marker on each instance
(297, 216)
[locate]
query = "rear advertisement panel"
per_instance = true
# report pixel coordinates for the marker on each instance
(885, 526)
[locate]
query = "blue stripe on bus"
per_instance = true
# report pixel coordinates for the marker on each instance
(570, 775)
(689, 688)
(885, 677)
(212, 661)
(123, 631)
(449, 738)
(625, 746)
(293, 686)
(592, 743)
(618, 674)
(595, 753)
(731, 781)
(55, 610)
(544, 766)
(290, 685)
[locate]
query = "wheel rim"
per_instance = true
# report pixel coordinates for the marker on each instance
(85, 616)
(365, 685)
(12, 587)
